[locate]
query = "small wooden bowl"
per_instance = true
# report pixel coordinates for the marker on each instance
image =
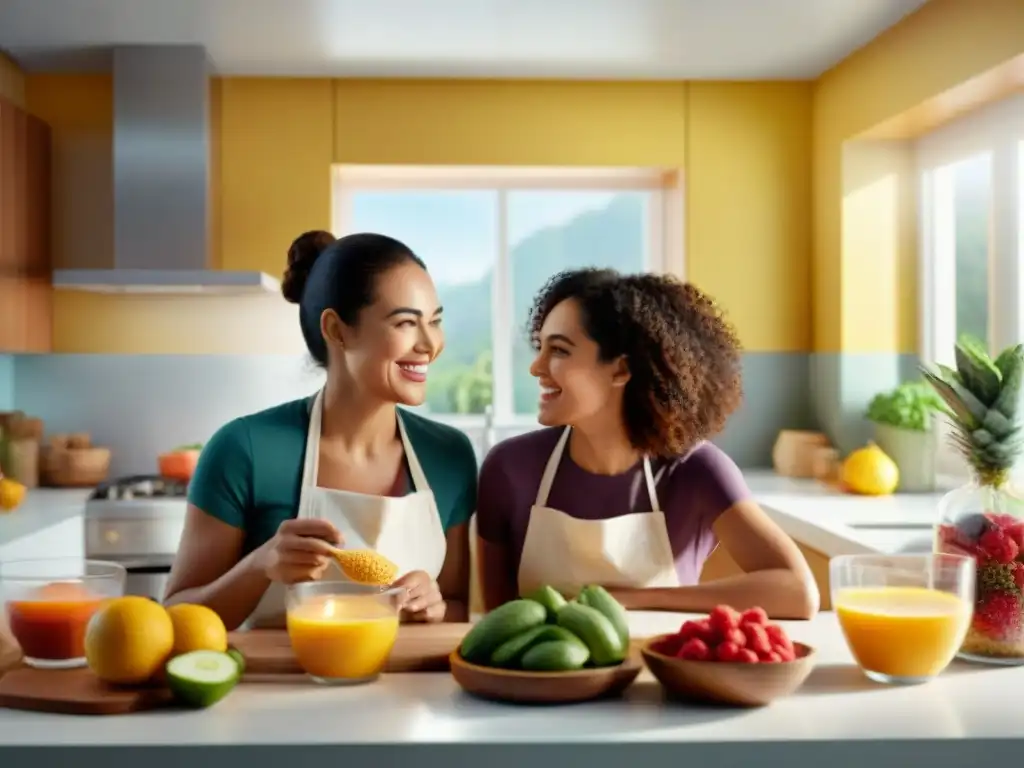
(519, 687)
(735, 684)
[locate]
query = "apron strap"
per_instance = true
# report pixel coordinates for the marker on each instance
(419, 478)
(652, 489)
(311, 462)
(548, 478)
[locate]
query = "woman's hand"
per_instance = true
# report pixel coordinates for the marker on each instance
(300, 550)
(422, 600)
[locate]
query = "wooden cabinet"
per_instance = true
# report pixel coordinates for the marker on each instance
(26, 301)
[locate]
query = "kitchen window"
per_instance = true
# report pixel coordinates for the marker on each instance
(491, 237)
(971, 235)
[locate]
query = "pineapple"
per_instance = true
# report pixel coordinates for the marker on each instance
(983, 396)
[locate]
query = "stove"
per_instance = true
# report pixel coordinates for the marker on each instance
(140, 487)
(137, 521)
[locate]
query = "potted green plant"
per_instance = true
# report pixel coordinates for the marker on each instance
(904, 418)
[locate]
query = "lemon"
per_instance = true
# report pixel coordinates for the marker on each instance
(128, 640)
(870, 471)
(197, 628)
(11, 494)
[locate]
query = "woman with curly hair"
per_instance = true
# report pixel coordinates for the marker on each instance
(623, 489)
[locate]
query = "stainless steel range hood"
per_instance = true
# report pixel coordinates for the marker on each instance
(162, 181)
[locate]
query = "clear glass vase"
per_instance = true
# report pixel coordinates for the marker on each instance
(986, 521)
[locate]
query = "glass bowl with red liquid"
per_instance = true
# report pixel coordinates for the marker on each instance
(48, 604)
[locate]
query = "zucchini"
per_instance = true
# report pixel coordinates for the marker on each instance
(550, 598)
(598, 597)
(510, 653)
(593, 628)
(556, 656)
(503, 623)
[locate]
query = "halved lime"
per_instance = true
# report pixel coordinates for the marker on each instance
(202, 678)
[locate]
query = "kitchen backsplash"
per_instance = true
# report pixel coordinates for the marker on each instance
(142, 405)
(6, 382)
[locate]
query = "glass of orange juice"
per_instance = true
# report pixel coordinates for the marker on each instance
(903, 616)
(342, 632)
(48, 604)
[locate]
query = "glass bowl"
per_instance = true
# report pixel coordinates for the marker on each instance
(903, 616)
(49, 602)
(341, 632)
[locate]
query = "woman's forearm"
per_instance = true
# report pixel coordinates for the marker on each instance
(782, 593)
(233, 596)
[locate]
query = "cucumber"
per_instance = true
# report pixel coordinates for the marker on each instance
(593, 628)
(503, 623)
(511, 651)
(202, 678)
(555, 656)
(598, 597)
(550, 598)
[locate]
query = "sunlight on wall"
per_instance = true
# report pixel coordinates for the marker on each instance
(879, 242)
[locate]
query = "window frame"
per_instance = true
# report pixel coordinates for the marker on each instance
(666, 239)
(997, 129)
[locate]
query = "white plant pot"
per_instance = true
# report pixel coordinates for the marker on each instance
(914, 454)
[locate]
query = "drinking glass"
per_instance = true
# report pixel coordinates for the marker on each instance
(903, 616)
(342, 632)
(49, 602)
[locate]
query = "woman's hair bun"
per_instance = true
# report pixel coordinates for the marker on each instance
(302, 254)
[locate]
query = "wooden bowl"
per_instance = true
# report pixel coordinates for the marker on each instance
(519, 687)
(735, 684)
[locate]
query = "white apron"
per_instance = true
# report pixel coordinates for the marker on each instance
(407, 530)
(631, 550)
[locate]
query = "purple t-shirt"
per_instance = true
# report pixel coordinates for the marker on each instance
(693, 490)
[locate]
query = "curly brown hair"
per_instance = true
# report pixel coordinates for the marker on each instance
(683, 355)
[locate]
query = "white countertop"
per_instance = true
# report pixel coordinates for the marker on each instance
(837, 709)
(817, 516)
(837, 523)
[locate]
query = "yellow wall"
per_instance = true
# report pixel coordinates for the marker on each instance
(936, 49)
(745, 147)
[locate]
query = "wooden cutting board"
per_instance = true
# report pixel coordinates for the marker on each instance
(419, 648)
(74, 692)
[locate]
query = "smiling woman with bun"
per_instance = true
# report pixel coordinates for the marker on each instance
(636, 374)
(276, 490)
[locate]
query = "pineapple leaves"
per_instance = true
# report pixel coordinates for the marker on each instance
(984, 399)
(977, 371)
(966, 408)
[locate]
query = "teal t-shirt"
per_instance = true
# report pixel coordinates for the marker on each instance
(250, 471)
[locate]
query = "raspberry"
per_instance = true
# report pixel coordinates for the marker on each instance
(757, 638)
(704, 631)
(746, 656)
(688, 629)
(998, 546)
(670, 645)
(998, 615)
(785, 654)
(723, 618)
(735, 636)
(1016, 534)
(1018, 575)
(1002, 520)
(778, 635)
(727, 651)
(772, 657)
(954, 541)
(754, 616)
(694, 649)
